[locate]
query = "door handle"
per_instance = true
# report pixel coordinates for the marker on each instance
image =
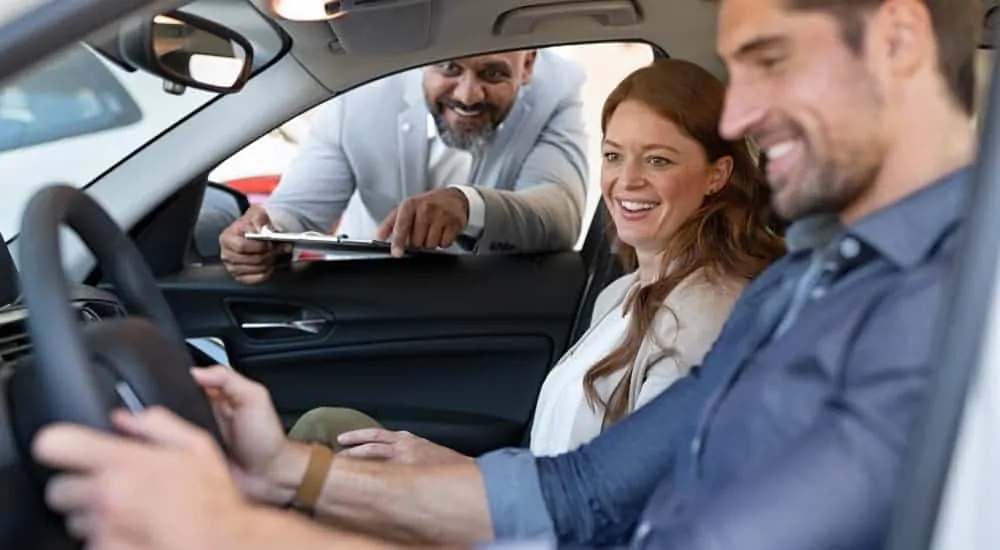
(308, 326)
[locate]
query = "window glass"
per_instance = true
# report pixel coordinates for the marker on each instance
(74, 117)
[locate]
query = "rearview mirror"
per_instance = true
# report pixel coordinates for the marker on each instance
(189, 51)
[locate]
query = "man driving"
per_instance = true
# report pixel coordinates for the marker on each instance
(447, 154)
(790, 435)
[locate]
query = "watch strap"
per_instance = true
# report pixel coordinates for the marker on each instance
(311, 487)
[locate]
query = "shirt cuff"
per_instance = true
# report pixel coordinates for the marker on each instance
(517, 507)
(477, 211)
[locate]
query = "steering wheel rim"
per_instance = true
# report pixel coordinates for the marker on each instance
(72, 365)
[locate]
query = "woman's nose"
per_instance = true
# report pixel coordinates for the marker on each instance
(632, 174)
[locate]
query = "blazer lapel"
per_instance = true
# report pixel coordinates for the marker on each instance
(491, 168)
(412, 139)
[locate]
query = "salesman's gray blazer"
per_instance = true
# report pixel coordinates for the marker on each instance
(373, 141)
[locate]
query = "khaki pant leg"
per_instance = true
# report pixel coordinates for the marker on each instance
(323, 425)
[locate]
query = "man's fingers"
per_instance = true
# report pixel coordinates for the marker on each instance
(423, 220)
(383, 451)
(241, 245)
(438, 232)
(69, 492)
(81, 526)
(160, 426)
(385, 228)
(367, 435)
(403, 227)
(74, 447)
(254, 279)
(249, 269)
(239, 390)
(212, 377)
(450, 234)
(257, 218)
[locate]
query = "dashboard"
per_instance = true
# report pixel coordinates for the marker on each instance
(24, 520)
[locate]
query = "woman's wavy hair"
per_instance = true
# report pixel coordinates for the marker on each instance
(734, 234)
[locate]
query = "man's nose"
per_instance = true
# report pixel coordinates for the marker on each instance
(744, 106)
(469, 91)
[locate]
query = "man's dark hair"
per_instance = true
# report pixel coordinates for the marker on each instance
(957, 27)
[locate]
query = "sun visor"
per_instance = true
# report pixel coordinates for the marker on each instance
(379, 27)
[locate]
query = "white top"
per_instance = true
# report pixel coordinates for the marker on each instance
(564, 419)
(446, 167)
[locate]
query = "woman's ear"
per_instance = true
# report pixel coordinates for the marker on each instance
(721, 171)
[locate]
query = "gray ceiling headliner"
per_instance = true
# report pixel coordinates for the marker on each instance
(683, 28)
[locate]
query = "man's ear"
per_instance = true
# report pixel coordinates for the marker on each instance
(528, 70)
(905, 34)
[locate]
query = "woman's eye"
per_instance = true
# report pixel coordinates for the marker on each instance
(658, 162)
(611, 157)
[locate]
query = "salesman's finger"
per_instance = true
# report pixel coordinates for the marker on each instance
(403, 227)
(450, 234)
(385, 228)
(423, 223)
(438, 233)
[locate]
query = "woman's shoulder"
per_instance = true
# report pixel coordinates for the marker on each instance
(704, 292)
(614, 293)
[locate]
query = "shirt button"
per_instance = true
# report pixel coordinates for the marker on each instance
(695, 446)
(405, 127)
(850, 248)
(817, 293)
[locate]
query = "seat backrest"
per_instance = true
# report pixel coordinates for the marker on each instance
(602, 267)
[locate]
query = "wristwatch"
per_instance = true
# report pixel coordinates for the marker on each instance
(311, 486)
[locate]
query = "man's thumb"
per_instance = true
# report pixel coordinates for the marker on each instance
(257, 217)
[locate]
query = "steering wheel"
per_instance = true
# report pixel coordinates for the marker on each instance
(80, 373)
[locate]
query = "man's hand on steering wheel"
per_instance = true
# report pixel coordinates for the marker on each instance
(161, 485)
(267, 466)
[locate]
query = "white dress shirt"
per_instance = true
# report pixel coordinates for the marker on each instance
(445, 167)
(563, 417)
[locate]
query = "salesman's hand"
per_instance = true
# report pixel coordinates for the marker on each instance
(164, 487)
(249, 262)
(428, 220)
(264, 458)
(401, 447)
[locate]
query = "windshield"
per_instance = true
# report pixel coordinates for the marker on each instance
(72, 118)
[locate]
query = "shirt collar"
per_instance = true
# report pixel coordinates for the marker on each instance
(907, 231)
(812, 232)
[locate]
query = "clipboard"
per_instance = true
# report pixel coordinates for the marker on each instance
(313, 241)
(319, 241)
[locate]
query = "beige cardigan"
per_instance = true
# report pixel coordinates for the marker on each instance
(679, 341)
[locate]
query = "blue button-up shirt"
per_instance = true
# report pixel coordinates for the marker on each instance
(787, 438)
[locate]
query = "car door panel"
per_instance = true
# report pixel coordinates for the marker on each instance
(452, 348)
